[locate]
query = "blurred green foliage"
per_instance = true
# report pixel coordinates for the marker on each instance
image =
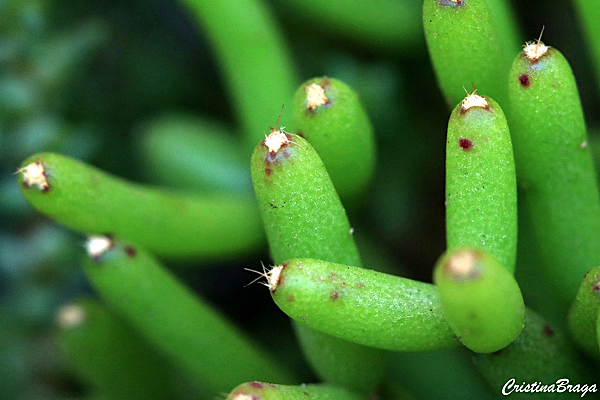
(84, 79)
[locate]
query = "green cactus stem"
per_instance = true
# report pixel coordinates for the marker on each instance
(254, 59)
(106, 355)
(481, 187)
(589, 15)
(329, 115)
(583, 314)
(193, 154)
(170, 225)
(304, 217)
(480, 298)
(377, 24)
(301, 211)
(555, 170)
(187, 330)
(470, 43)
(396, 313)
(541, 355)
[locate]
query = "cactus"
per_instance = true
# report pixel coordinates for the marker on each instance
(480, 298)
(141, 210)
(329, 114)
(91, 201)
(481, 187)
(555, 165)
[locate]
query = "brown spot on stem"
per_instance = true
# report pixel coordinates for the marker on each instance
(325, 82)
(524, 80)
(290, 298)
(596, 287)
(335, 294)
(465, 144)
(268, 171)
(548, 331)
(256, 385)
(130, 251)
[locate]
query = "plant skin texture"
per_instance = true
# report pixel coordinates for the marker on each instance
(541, 354)
(191, 88)
(480, 298)
(468, 47)
(330, 116)
(91, 201)
(397, 313)
(481, 188)
(181, 325)
(304, 217)
(583, 314)
(268, 391)
(555, 170)
(300, 208)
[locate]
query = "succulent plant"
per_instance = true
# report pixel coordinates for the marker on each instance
(510, 307)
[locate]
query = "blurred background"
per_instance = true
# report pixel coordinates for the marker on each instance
(99, 81)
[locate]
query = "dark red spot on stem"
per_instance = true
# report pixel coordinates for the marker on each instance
(548, 331)
(465, 144)
(524, 80)
(268, 171)
(256, 385)
(130, 251)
